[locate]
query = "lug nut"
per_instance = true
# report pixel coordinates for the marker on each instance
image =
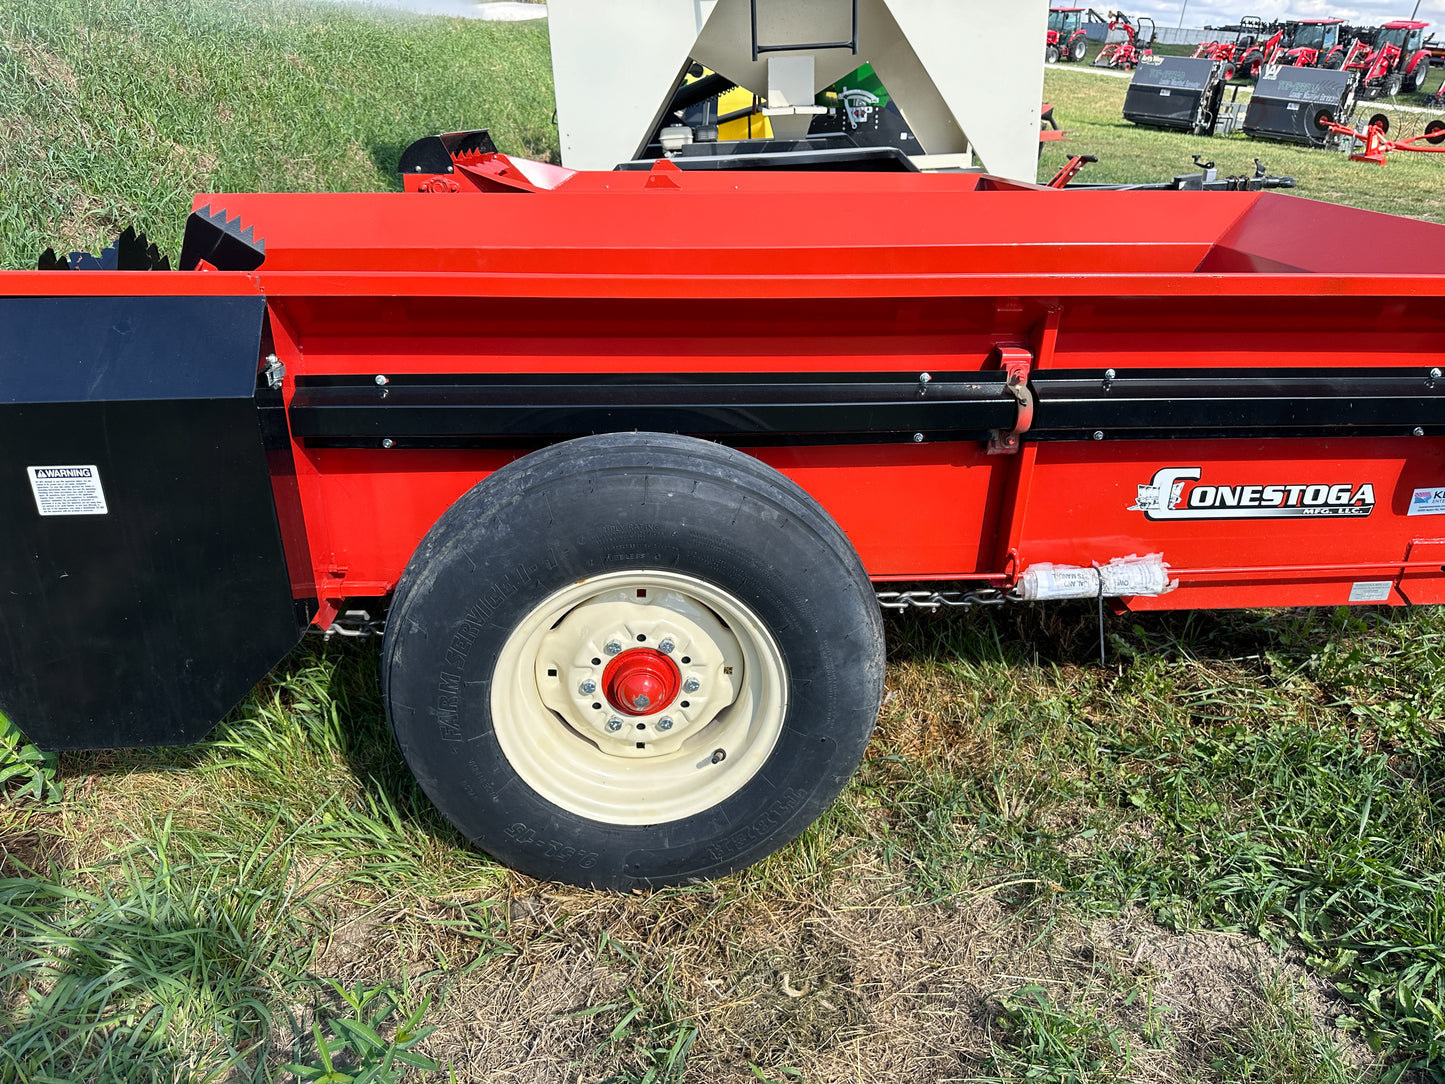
(666, 647)
(664, 723)
(587, 688)
(613, 647)
(614, 724)
(691, 685)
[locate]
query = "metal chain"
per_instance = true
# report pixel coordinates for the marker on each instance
(937, 600)
(360, 624)
(356, 624)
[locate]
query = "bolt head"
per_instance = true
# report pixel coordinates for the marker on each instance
(613, 647)
(614, 724)
(719, 755)
(691, 685)
(381, 381)
(587, 688)
(917, 438)
(1435, 374)
(388, 443)
(1419, 431)
(666, 647)
(1098, 434)
(925, 378)
(664, 723)
(1109, 374)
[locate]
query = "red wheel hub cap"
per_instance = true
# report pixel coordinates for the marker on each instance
(640, 681)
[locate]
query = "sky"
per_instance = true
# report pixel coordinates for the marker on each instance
(1222, 12)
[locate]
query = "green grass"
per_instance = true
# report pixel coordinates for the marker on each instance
(1090, 108)
(1035, 857)
(115, 112)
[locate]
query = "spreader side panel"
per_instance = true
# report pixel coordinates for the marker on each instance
(143, 584)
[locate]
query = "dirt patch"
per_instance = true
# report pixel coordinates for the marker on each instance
(562, 985)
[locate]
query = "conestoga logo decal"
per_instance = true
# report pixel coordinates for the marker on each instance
(1176, 493)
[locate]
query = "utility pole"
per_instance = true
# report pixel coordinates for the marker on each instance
(1186, 4)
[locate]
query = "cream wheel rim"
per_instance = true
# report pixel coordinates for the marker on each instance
(696, 712)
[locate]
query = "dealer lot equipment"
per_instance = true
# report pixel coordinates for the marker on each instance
(1175, 92)
(1297, 105)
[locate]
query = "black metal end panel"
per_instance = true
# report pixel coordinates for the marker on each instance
(143, 583)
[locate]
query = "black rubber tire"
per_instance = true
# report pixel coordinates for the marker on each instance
(1334, 62)
(1051, 54)
(1381, 121)
(1415, 80)
(1227, 73)
(1078, 49)
(1435, 132)
(611, 503)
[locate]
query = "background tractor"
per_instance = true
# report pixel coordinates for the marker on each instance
(1394, 59)
(1066, 39)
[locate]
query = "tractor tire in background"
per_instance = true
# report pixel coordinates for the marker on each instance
(1228, 71)
(1078, 49)
(1334, 61)
(1392, 85)
(1051, 54)
(632, 660)
(1415, 80)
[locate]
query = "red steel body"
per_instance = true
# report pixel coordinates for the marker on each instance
(670, 271)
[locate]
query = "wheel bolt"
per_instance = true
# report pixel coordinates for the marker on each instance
(691, 685)
(666, 647)
(587, 688)
(614, 724)
(664, 723)
(719, 755)
(613, 647)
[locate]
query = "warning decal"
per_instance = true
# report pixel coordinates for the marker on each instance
(67, 491)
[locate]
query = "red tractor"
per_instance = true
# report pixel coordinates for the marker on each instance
(1246, 32)
(1066, 39)
(1313, 43)
(1270, 52)
(1245, 55)
(1398, 61)
(1127, 53)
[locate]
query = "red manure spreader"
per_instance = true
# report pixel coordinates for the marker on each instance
(634, 457)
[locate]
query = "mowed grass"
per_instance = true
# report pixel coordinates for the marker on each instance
(114, 113)
(1216, 858)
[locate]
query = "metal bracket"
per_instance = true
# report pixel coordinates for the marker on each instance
(274, 371)
(1016, 362)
